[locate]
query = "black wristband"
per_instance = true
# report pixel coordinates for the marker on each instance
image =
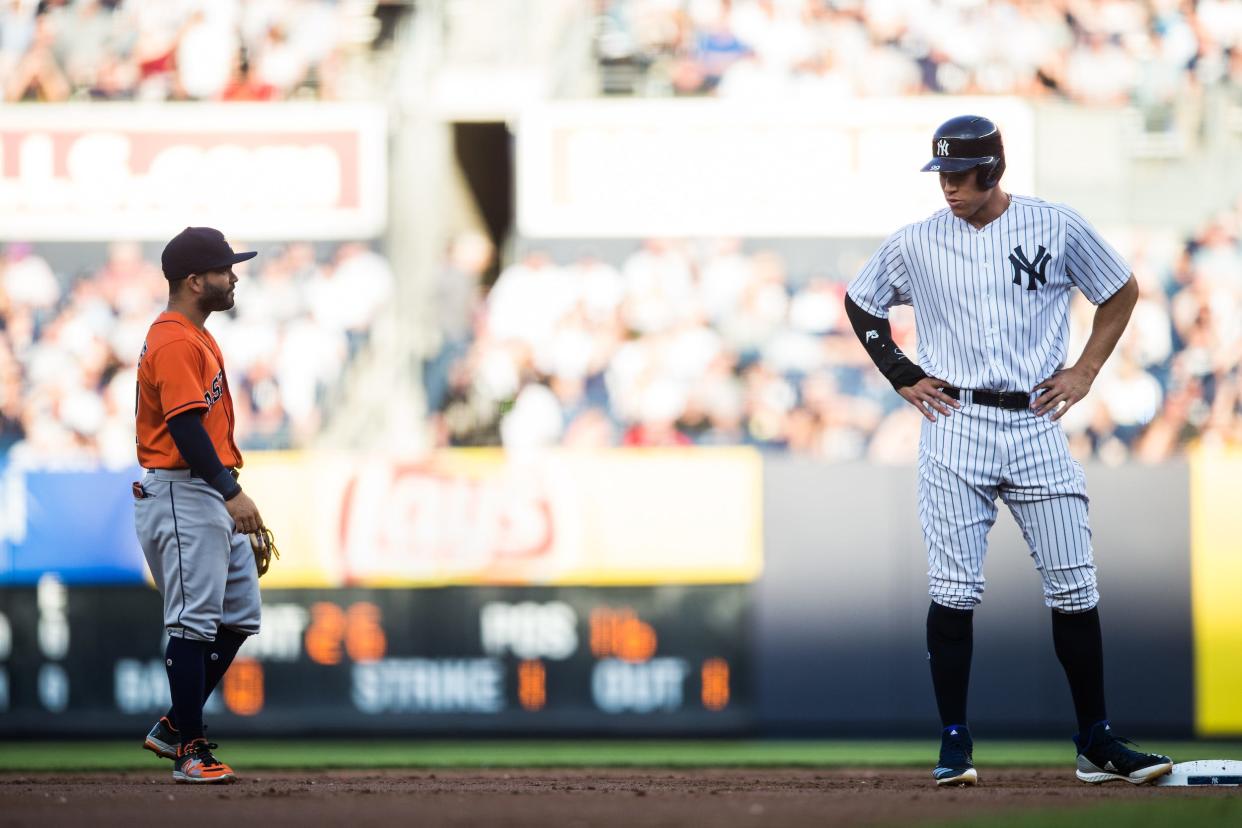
(226, 484)
(903, 375)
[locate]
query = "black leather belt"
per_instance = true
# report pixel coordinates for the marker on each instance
(1009, 400)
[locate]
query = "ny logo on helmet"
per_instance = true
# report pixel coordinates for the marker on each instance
(942, 147)
(1033, 269)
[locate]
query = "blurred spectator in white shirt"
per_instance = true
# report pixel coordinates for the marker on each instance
(724, 277)
(1100, 72)
(1131, 395)
(528, 299)
(761, 307)
(534, 421)
(28, 279)
(599, 286)
(345, 297)
(659, 286)
(205, 55)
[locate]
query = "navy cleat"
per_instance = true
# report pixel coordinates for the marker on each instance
(1103, 757)
(163, 740)
(956, 765)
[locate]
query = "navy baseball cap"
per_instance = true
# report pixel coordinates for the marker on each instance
(198, 250)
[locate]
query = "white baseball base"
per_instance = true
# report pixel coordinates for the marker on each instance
(1206, 772)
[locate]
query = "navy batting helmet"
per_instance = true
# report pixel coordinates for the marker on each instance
(968, 142)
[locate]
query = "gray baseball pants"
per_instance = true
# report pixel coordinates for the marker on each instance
(203, 569)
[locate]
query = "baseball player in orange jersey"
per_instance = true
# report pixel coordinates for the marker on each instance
(191, 515)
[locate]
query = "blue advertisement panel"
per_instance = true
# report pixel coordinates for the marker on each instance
(76, 525)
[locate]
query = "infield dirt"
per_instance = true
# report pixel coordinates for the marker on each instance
(543, 798)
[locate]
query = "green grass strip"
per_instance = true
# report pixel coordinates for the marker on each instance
(1217, 812)
(294, 753)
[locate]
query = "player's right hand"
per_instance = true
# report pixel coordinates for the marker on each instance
(926, 396)
(244, 513)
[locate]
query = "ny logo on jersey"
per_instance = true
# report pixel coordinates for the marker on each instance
(1034, 270)
(942, 148)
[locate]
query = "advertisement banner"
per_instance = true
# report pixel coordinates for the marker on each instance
(81, 172)
(711, 167)
(479, 516)
(463, 516)
(497, 660)
(77, 526)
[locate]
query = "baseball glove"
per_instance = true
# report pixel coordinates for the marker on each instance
(264, 545)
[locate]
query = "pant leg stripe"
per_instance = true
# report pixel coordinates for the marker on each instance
(172, 500)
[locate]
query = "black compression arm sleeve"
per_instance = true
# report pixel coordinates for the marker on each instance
(876, 335)
(195, 446)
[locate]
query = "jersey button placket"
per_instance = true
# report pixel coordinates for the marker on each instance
(994, 375)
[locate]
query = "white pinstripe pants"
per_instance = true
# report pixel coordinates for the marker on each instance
(965, 462)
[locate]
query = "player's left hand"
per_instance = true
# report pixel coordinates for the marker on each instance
(1061, 391)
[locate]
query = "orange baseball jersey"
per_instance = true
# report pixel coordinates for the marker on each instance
(181, 369)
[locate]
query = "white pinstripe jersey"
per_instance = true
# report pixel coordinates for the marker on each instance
(991, 306)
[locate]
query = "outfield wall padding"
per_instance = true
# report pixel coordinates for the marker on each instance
(816, 626)
(841, 607)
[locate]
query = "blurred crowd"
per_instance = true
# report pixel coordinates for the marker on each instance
(69, 343)
(210, 50)
(716, 343)
(1098, 52)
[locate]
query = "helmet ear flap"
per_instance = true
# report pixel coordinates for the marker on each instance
(989, 175)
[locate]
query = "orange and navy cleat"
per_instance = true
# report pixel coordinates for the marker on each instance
(195, 763)
(163, 740)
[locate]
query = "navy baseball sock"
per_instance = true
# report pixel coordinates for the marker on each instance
(218, 656)
(1080, 648)
(184, 661)
(950, 642)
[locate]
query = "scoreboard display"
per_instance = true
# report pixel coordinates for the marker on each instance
(573, 660)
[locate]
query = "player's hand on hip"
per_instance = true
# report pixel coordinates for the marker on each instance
(244, 513)
(1061, 391)
(926, 396)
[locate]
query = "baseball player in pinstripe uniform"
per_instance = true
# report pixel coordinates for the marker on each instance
(990, 278)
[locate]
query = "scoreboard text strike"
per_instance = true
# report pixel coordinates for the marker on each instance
(504, 658)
